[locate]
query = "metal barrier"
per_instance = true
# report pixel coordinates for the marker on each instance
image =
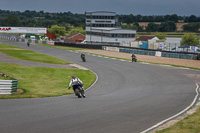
(8, 86)
(153, 53)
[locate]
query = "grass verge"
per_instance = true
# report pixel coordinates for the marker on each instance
(190, 124)
(44, 82)
(24, 54)
(171, 65)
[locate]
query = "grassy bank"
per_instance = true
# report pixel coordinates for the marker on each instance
(24, 54)
(44, 82)
(190, 124)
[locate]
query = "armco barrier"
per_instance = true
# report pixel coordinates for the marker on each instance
(89, 46)
(153, 53)
(8, 86)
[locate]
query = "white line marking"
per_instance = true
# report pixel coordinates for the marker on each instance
(144, 63)
(94, 81)
(162, 122)
(184, 68)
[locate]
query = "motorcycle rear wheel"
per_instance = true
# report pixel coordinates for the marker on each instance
(77, 93)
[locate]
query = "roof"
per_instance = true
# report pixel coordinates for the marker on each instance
(105, 28)
(110, 29)
(73, 35)
(144, 38)
(90, 12)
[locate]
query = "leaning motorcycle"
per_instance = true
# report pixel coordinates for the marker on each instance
(83, 58)
(134, 59)
(78, 91)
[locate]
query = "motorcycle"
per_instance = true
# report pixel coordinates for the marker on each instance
(78, 91)
(83, 58)
(134, 59)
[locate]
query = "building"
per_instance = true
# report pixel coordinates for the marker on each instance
(103, 27)
(147, 39)
(76, 37)
(148, 42)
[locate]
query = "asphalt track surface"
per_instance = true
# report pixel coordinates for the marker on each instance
(127, 98)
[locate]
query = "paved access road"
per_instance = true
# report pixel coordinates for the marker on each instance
(127, 98)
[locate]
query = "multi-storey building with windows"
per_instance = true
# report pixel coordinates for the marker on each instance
(103, 27)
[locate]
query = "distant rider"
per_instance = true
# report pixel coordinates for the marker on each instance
(28, 43)
(74, 81)
(133, 57)
(82, 55)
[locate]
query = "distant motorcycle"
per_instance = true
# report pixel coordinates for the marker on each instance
(84, 60)
(83, 57)
(134, 59)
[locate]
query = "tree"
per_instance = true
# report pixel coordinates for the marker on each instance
(138, 18)
(166, 18)
(151, 27)
(159, 19)
(77, 30)
(190, 39)
(139, 28)
(151, 19)
(161, 36)
(134, 26)
(191, 27)
(57, 30)
(167, 27)
(129, 19)
(192, 18)
(12, 21)
(173, 18)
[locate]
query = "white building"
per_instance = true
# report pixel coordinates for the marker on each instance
(102, 26)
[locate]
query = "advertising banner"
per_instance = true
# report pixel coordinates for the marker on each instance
(158, 53)
(23, 30)
(111, 49)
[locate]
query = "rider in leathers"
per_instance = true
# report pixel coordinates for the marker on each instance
(76, 80)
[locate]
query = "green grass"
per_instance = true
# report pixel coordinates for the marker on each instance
(190, 124)
(24, 54)
(61, 47)
(172, 65)
(44, 82)
(5, 78)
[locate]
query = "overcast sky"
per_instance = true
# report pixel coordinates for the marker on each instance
(143, 7)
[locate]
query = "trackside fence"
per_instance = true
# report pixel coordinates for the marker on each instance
(152, 53)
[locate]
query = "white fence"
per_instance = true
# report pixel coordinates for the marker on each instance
(8, 86)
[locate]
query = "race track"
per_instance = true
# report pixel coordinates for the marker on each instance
(127, 98)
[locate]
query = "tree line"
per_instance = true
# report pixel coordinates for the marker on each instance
(70, 20)
(41, 19)
(156, 18)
